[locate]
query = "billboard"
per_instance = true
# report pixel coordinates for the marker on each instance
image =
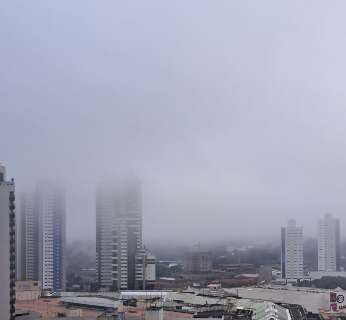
(337, 301)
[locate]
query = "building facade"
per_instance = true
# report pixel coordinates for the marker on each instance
(121, 261)
(43, 236)
(328, 244)
(283, 252)
(29, 237)
(28, 290)
(149, 271)
(7, 247)
(292, 243)
(197, 261)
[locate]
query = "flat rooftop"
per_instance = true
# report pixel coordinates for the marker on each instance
(311, 299)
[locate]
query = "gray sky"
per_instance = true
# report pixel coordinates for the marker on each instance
(231, 112)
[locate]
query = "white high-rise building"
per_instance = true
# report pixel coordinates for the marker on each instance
(43, 236)
(328, 244)
(122, 262)
(292, 242)
(7, 247)
(51, 213)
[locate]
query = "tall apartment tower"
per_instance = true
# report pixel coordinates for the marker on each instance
(328, 244)
(29, 237)
(292, 266)
(122, 261)
(283, 252)
(43, 236)
(7, 247)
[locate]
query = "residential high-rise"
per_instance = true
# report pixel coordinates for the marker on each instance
(292, 266)
(105, 216)
(43, 236)
(50, 202)
(7, 247)
(29, 237)
(283, 252)
(122, 261)
(328, 244)
(338, 245)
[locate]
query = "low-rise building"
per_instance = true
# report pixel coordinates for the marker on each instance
(153, 313)
(265, 274)
(313, 275)
(237, 268)
(95, 303)
(197, 261)
(28, 290)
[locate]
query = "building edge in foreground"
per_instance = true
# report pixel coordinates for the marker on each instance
(7, 246)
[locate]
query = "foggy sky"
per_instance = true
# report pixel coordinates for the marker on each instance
(232, 113)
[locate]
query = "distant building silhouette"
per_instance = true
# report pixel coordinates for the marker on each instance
(43, 238)
(122, 262)
(197, 260)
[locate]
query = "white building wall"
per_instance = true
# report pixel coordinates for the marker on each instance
(104, 236)
(47, 236)
(51, 229)
(327, 231)
(150, 272)
(294, 251)
(122, 243)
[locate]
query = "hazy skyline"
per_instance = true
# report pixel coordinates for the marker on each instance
(230, 112)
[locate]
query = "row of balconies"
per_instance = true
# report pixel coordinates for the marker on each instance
(12, 256)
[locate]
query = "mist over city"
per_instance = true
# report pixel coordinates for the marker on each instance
(170, 145)
(231, 113)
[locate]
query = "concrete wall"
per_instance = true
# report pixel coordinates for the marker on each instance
(28, 290)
